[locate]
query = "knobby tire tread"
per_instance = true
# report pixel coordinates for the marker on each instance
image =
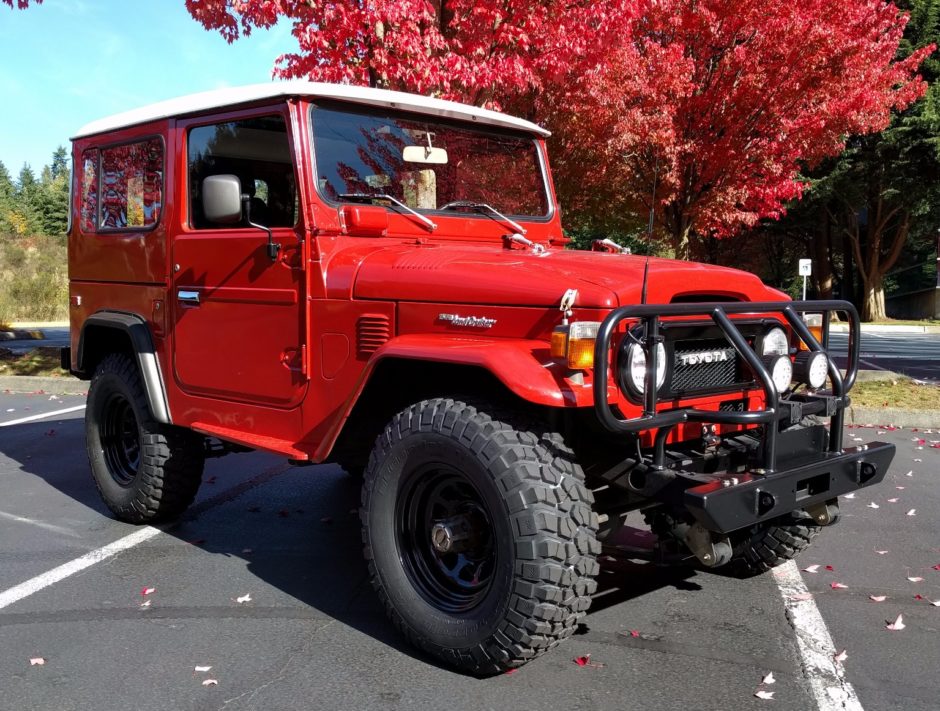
(171, 459)
(552, 517)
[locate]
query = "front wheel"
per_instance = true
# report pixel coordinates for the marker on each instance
(144, 471)
(764, 546)
(479, 535)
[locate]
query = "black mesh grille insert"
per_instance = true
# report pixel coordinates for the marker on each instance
(704, 364)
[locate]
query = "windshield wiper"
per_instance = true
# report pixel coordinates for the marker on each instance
(483, 206)
(382, 196)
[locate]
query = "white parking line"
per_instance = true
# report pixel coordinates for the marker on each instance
(34, 585)
(825, 676)
(42, 416)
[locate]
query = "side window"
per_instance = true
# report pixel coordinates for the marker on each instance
(131, 185)
(89, 199)
(255, 150)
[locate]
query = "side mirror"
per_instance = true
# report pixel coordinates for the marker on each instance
(222, 199)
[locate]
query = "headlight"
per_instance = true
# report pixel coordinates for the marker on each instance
(636, 366)
(812, 368)
(775, 342)
(781, 371)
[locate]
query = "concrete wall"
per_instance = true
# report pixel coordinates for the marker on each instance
(915, 305)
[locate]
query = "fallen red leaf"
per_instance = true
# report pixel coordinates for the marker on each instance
(583, 661)
(829, 567)
(838, 586)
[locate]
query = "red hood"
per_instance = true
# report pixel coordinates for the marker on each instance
(488, 274)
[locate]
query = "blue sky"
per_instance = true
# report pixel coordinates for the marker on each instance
(67, 62)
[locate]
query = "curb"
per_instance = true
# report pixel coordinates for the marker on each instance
(875, 416)
(34, 383)
(22, 335)
(885, 328)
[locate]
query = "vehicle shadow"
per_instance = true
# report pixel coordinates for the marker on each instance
(296, 529)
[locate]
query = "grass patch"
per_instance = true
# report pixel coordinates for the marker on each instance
(34, 280)
(902, 393)
(43, 361)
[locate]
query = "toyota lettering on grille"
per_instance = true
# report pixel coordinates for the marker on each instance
(719, 355)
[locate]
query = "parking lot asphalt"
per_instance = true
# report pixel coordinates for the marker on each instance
(311, 635)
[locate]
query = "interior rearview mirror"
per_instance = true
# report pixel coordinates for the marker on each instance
(424, 154)
(222, 199)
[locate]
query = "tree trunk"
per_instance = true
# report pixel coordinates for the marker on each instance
(873, 307)
(822, 266)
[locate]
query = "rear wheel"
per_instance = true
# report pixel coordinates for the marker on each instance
(479, 535)
(144, 471)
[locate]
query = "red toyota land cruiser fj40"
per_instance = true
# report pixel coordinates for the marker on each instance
(378, 279)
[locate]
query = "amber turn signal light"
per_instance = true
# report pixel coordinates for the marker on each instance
(574, 343)
(814, 324)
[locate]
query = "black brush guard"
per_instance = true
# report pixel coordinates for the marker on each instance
(725, 503)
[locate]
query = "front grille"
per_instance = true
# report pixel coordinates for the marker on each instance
(703, 365)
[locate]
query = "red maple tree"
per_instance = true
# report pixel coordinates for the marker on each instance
(21, 4)
(723, 101)
(484, 52)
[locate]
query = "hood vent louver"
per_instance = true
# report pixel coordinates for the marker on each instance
(372, 332)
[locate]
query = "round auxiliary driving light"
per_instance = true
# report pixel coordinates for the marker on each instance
(812, 368)
(781, 371)
(636, 366)
(775, 342)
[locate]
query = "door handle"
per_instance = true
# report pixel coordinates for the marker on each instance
(190, 298)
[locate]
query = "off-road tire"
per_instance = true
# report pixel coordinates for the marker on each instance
(766, 545)
(540, 526)
(153, 473)
(756, 549)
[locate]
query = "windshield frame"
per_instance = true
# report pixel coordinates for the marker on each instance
(352, 108)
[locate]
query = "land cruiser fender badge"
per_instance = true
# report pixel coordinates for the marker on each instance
(718, 355)
(471, 321)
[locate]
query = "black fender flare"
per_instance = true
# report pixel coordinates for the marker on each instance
(138, 332)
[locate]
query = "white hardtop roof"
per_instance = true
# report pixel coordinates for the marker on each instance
(221, 98)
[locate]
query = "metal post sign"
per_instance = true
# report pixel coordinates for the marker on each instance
(806, 269)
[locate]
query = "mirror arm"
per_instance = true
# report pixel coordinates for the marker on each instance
(273, 247)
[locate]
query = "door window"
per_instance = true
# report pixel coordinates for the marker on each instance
(257, 152)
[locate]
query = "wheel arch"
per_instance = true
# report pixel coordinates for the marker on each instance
(396, 381)
(107, 332)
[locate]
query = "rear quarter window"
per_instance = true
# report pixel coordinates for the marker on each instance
(129, 186)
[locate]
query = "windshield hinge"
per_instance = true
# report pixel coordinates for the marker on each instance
(525, 241)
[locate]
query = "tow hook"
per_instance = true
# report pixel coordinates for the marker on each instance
(825, 513)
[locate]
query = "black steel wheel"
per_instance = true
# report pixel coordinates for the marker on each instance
(479, 534)
(445, 536)
(144, 471)
(120, 439)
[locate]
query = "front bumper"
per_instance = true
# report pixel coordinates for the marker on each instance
(734, 501)
(788, 468)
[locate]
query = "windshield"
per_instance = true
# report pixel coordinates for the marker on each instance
(425, 164)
